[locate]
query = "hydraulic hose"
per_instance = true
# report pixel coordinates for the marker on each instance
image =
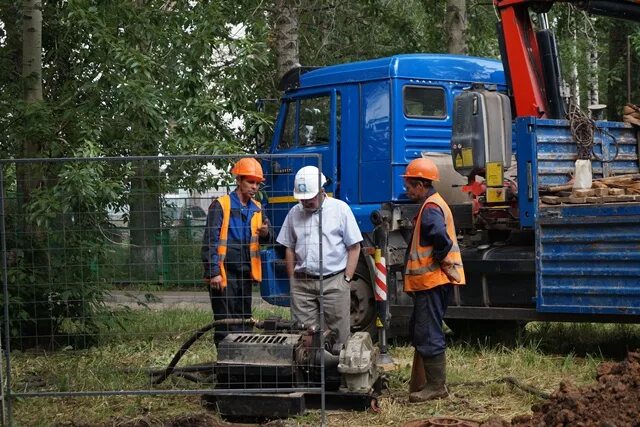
(508, 380)
(195, 337)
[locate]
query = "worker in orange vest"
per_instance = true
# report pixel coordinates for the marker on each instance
(433, 267)
(231, 247)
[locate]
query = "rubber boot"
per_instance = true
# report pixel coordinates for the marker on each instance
(418, 379)
(435, 372)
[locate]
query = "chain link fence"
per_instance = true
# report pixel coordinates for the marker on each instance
(105, 294)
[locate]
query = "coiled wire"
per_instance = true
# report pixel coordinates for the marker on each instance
(583, 130)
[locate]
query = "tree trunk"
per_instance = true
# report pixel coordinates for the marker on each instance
(286, 35)
(145, 254)
(456, 25)
(593, 90)
(575, 81)
(30, 177)
(32, 49)
(144, 224)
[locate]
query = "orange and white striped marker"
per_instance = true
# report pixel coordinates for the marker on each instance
(381, 276)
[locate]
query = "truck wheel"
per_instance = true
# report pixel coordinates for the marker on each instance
(363, 306)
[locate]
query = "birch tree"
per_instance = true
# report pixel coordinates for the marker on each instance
(574, 81)
(456, 26)
(29, 177)
(286, 35)
(593, 76)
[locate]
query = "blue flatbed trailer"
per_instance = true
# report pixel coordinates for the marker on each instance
(587, 255)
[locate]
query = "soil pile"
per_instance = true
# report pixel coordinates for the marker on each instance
(613, 401)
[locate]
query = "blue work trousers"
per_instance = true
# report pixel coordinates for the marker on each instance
(233, 302)
(426, 331)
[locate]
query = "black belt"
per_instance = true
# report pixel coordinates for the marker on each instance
(306, 276)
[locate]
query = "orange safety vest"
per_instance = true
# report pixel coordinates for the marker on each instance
(423, 271)
(254, 244)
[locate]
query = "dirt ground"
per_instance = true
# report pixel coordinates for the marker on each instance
(614, 401)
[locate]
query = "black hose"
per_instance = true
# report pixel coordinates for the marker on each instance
(195, 337)
(199, 368)
(509, 380)
(195, 378)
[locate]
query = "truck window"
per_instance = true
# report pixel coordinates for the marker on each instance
(314, 121)
(424, 102)
(313, 124)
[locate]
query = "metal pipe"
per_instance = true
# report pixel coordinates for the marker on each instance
(543, 20)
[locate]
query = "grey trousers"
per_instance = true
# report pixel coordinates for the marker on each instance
(305, 304)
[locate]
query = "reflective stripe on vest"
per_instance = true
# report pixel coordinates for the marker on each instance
(423, 271)
(254, 243)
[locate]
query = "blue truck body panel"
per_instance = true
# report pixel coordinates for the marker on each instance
(587, 255)
(588, 259)
(421, 66)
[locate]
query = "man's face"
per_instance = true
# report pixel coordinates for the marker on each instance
(248, 186)
(313, 203)
(414, 192)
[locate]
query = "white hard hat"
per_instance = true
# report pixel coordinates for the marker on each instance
(305, 185)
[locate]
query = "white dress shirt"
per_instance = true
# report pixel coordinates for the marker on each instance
(300, 232)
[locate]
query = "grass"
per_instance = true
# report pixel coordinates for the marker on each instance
(546, 355)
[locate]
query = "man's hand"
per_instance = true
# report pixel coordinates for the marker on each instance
(263, 231)
(450, 271)
(215, 282)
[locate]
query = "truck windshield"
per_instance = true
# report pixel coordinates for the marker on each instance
(424, 102)
(313, 126)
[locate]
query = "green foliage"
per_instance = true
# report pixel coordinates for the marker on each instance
(54, 243)
(357, 30)
(482, 39)
(346, 31)
(120, 78)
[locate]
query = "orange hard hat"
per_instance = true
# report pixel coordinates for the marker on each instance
(249, 167)
(422, 168)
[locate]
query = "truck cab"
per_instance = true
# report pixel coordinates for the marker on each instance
(367, 120)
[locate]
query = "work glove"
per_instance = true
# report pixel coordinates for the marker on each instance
(450, 271)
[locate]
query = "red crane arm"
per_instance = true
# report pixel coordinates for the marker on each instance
(523, 61)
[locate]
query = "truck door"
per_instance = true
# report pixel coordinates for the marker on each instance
(306, 125)
(375, 143)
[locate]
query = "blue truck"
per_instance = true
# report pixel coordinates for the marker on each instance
(524, 259)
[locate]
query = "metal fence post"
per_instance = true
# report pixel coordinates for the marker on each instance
(4, 349)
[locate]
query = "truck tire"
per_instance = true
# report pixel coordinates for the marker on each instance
(363, 303)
